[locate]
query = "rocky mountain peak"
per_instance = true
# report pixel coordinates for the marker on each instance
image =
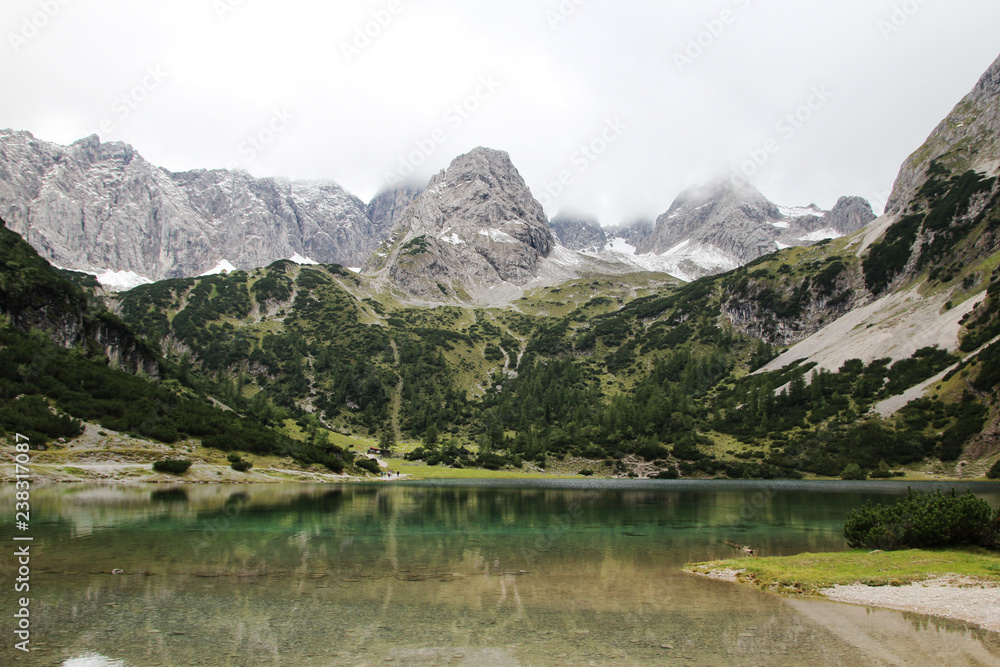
(579, 232)
(102, 208)
(385, 209)
(725, 224)
(728, 216)
(482, 189)
(969, 138)
(475, 228)
(989, 83)
(848, 215)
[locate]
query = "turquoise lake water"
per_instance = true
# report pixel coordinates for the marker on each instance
(499, 573)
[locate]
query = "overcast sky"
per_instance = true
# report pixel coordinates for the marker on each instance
(663, 94)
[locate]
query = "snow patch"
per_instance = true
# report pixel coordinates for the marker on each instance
(354, 269)
(801, 212)
(497, 236)
(821, 235)
(299, 259)
(92, 660)
(453, 239)
(781, 246)
(705, 255)
(120, 281)
(223, 265)
(621, 246)
(780, 225)
(686, 261)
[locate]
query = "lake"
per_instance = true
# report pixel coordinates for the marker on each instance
(494, 573)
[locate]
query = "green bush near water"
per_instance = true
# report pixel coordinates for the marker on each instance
(368, 464)
(172, 466)
(924, 521)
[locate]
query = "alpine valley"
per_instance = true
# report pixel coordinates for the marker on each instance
(209, 312)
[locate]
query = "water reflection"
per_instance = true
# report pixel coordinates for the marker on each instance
(422, 574)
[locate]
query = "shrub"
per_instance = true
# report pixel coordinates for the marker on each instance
(882, 472)
(994, 472)
(854, 472)
(234, 457)
(241, 466)
(172, 466)
(587, 472)
(923, 521)
(368, 464)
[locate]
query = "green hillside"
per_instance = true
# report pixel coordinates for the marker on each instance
(56, 371)
(631, 375)
(635, 375)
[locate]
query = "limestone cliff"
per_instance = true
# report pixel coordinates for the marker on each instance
(96, 206)
(474, 229)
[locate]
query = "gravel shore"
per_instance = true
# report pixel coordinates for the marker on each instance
(956, 598)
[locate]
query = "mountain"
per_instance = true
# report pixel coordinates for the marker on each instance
(712, 229)
(715, 228)
(474, 229)
(102, 208)
(724, 224)
(969, 138)
(70, 368)
(632, 234)
(730, 218)
(923, 270)
(36, 297)
(387, 207)
(578, 232)
(892, 332)
(849, 215)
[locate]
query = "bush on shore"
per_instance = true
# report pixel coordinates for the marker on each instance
(924, 521)
(172, 466)
(368, 464)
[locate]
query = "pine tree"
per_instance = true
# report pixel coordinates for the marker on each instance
(387, 440)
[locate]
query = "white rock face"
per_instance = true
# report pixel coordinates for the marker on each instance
(578, 232)
(713, 229)
(95, 207)
(722, 225)
(476, 229)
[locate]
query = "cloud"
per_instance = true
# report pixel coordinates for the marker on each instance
(230, 64)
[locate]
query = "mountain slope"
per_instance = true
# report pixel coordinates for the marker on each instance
(737, 224)
(475, 228)
(96, 207)
(386, 208)
(579, 232)
(930, 259)
(968, 138)
(34, 297)
(67, 365)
